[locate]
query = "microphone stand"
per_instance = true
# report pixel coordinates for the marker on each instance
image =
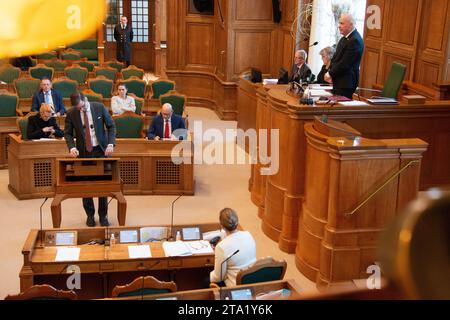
(171, 221)
(221, 271)
(41, 244)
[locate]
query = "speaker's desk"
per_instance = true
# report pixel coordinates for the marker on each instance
(146, 167)
(102, 267)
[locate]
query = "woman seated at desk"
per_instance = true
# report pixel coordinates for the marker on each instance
(43, 125)
(234, 240)
(122, 102)
(327, 54)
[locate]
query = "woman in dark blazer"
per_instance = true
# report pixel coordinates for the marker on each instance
(327, 54)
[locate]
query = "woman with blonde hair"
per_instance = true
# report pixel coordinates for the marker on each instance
(327, 54)
(43, 125)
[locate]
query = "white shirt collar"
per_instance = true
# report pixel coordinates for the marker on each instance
(350, 33)
(87, 106)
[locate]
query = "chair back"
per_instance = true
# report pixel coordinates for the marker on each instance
(394, 80)
(26, 87)
(40, 71)
(132, 71)
(144, 286)
(139, 103)
(93, 96)
(77, 73)
(87, 64)
(129, 125)
(9, 103)
(178, 101)
(57, 65)
(9, 73)
(161, 87)
(65, 86)
(136, 86)
(263, 270)
(101, 85)
(114, 64)
(107, 72)
(22, 124)
(47, 55)
(71, 54)
(43, 292)
(87, 48)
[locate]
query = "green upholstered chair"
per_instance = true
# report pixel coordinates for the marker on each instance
(107, 72)
(47, 55)
(144, 286)
(101, 85)
(161, 87)
(72, 55)
(88, 48)
(40, 71)
(114, 64)
(57, 65)
(9, 73)
(136, 86)
(132, 71)
(394, 81)
(43, 292)
(77, 73)
(129, 125)
(22, 124)
(9, 103)
(65, 86)
(139, 103)
(93, 96)
(178, 101)
(26, 87)
(87, 64)
(265, 269)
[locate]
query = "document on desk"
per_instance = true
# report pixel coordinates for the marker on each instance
(319, 93)
(200, 247)
(176, 249)
(208, 236)
(67, 254)
(139, 252)
(320, 87)
(353, 103)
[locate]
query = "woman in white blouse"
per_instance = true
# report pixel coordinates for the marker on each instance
(235, 240)
(122, 102)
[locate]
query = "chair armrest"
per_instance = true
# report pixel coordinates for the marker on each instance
(214, 285)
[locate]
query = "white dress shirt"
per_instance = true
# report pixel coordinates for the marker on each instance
(91, 123)
(246, 256)
(119, 105)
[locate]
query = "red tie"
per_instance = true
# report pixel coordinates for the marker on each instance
(87, 132)
(167, 130)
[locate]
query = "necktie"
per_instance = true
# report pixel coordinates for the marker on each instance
(87, 132)
(47, 97)
(166, 130)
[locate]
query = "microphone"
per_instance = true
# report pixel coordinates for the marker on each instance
(171, 221)
(314, 44)
(221, 270)
(40, 223)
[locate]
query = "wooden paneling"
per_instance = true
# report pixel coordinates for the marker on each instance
(200, 44)
(245, 55)
(253, 10)
(402, 20)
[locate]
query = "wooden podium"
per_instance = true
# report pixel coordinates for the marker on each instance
(88, 178)
(354, 187)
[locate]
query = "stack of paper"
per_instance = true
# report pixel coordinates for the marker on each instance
(212, 234)
(353, 103)
(200, 247)
(320, 87)
(67, 254)
(139, 252)
(270, 81)
(319, 93)
(176, 249)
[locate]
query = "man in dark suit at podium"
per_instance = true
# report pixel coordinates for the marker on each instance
(95, 132)
(344, 68)
(123, 34)
(164, 124)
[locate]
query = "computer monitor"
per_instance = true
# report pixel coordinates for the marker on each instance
(256, 75)
(283, 76)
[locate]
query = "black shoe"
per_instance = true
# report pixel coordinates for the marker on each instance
(104, 222)
(90, 221)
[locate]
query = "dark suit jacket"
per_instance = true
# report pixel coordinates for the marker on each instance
(36, 124)
(321, 75)
(123, 38)
(304, 74)
(344, 68)
(105, 129)
(38, 99)
(157, 126)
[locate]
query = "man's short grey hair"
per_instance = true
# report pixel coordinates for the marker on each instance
(350, 18)
(168, 105)
(302, 53)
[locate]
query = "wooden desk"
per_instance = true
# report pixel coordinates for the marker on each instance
(146, 167)
(7, 125)
(104, 267)
(213, 294)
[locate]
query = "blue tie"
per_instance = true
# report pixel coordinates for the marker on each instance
(47, 98)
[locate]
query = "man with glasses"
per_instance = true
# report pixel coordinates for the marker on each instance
(48, 96)
(165, 124)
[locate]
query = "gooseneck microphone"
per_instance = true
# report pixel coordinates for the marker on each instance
(221, 270)
(171, 221)
(314, 44)
(40, 223)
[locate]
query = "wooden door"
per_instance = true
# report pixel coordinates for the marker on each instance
(140, 14)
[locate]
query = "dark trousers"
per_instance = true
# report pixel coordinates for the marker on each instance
(88, 203)
(346, 92)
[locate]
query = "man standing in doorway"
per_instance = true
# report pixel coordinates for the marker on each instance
(123, 34)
